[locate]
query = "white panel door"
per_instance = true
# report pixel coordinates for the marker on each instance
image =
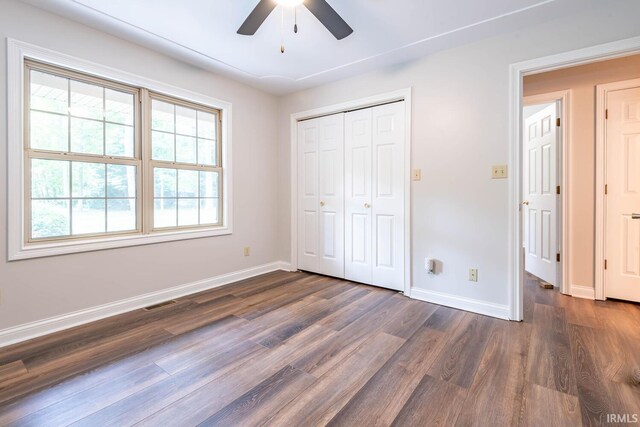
(540, 204)
(331, 194)
(358, 197)
(622, 244)
(321, 195)
(387, 202)
(308, 196)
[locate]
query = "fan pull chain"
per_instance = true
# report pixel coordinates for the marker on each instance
(295, 20)
(282, 30)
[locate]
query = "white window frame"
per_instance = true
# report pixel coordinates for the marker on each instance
(18, 247)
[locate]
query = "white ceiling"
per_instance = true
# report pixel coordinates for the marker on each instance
(386, 32)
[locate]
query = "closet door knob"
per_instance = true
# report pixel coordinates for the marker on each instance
(367, 205)
(321, 203)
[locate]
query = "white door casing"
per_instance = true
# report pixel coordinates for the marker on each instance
(540, 197)
(622, 227)
(358, 197)
(320, 195)
(388, 219)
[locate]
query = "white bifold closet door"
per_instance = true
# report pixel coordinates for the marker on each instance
(321, 195)
(374, 195)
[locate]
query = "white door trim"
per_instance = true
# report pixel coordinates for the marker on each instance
(517, 71)
(399, 95)
(601, 177)
(564, 97)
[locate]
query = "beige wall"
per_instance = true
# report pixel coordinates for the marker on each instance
(582, 81)
(37, 289)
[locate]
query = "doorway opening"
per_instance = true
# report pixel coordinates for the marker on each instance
(569, 88)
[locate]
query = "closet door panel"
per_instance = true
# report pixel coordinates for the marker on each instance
(308, 197)
(358, 263)
(388, 195)
(331, 195)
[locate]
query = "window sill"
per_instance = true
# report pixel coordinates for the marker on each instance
(102, 243)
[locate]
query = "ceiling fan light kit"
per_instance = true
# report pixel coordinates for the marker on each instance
(289, 3)
(319, 8)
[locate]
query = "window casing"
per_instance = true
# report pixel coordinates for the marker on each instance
(97, 163)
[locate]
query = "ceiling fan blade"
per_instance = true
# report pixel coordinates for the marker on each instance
(329, 18)
(257, 17)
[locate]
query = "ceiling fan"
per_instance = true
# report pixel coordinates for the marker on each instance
(319, 8)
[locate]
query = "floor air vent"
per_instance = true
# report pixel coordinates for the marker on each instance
(160, 305)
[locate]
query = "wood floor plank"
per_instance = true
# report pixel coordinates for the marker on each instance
(313, 313)
(329, 353)
(41, 350)
(162, 394)
(324, 399)
(262, 282)
(445, 319)
(47, 374)
(262, 401)
(624, 336)
(432, 403)
(495, 396)
(593, 386)
(406, 321)
(11, 371)
(70, 410)
(203, 314)
(334, 288)
(109, 372)
(261, 304)
(230, 331)
(544, 407)
(342, 318)
(579, 311)
(207, 400)
(549, 362)
(459, 359)
(379, 401)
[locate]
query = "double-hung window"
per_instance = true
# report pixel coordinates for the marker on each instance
(185, 162)
(107, 161)
(83, 156)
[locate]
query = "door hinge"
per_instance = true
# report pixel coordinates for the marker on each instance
(606, 189)
(558, 122)
(605, 264)
(606, 114)
(558, 257)
(558, 189)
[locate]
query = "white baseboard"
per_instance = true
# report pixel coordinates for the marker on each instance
(580, 291)
(461, 303)
(39, 328)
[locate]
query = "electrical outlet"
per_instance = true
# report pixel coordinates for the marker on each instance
(247, 250)
(473, 274)
(416, 175)
(499, 172)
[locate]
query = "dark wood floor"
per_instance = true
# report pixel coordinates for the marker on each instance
(295, 349)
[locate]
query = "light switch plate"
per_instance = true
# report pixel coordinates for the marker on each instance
(246, 250)
(416, 175)
(499, 171)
